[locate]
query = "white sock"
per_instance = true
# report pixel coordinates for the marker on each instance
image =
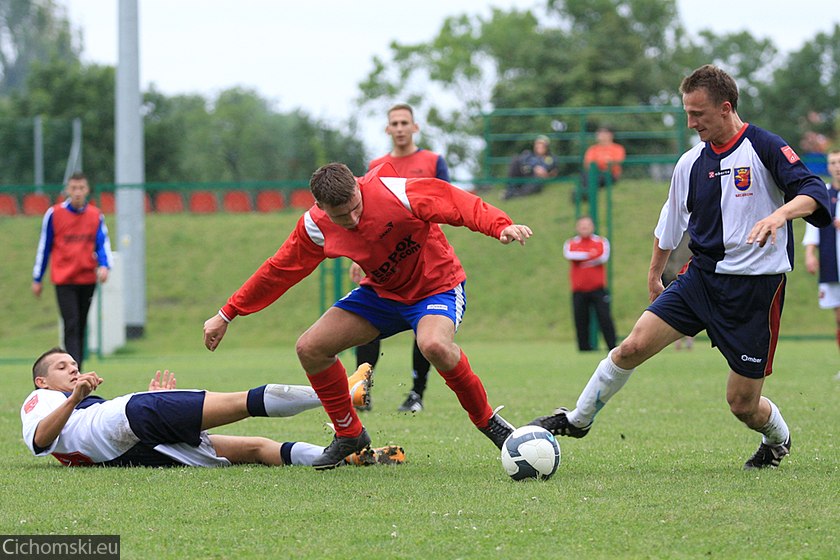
(604, 383)
(288, 400)
(304, 454)
(775, 431)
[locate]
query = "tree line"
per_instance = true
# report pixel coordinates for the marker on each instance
(563, 53)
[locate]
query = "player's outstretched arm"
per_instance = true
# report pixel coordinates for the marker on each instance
(214, 330)
(515, 232)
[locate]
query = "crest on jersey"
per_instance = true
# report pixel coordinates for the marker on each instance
(743, 179)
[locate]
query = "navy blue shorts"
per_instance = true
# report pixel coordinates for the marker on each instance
(166, 416)
(741, 315)
(392, 317)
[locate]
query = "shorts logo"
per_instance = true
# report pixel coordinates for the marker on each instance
(790, 155)
(721, 173)
(30, 404)
(742, 178)
(438, 306)
(745, 358)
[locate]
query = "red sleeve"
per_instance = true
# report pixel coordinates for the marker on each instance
(296, 258)
(437, 201)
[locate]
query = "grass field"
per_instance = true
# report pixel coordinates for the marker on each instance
(659, 477)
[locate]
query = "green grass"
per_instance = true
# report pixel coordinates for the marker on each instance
(658, 478)
(196, 261)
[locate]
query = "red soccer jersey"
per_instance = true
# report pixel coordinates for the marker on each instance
(398, 242)
(421, 163)
(587, 256)
(74, 245)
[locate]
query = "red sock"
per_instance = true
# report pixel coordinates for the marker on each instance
(838, 338)
(331, 387)
(470, 391)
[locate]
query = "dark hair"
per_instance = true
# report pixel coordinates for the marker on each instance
(38, 368)
(333, 184)
(77, 176)
(719, 85)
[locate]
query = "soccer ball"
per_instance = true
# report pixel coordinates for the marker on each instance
(530, 452)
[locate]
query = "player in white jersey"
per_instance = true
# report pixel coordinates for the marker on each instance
(823, 244)
(735, 194)
(165, 426)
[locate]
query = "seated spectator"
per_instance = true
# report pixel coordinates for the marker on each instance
(539, 164)
(606, 154)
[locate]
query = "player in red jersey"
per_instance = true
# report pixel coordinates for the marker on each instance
(409, 161)
(413, 280)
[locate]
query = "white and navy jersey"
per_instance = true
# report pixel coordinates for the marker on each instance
(718, 195)
(828, 241)
(98, 432)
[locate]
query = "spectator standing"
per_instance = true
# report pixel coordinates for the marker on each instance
(588, 253)
(410, 161)
(606, 154)
(74, 234)
(822, 244)
(538, 163)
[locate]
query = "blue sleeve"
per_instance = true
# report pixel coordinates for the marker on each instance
(442, 171)
(42, 255)
(792, 175)
(103, 244)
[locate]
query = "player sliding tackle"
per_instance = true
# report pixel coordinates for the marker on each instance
(413, 280)
(165, 426)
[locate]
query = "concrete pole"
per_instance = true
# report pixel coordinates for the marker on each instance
(38, 125)
(130, 173)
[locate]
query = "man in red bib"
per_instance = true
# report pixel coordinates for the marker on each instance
(388, 225)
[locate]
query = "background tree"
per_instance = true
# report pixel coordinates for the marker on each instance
(590, 53)
(803, 95)
(30, 31)
(59, 91)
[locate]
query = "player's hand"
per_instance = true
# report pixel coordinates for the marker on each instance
(214, 330)
(765, 230)
(37, 287)
(515, 232)
(85, 384)
(655, 288)
(836, 223)
(162, 383)
(356, 273)
(812, 264)
(102, 274)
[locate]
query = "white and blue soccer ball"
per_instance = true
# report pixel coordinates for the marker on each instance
(530, 452)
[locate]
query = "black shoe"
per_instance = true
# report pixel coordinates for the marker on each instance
(768, 456)
(339, 448)
(559, 425)
(498, 429)
(413, 403)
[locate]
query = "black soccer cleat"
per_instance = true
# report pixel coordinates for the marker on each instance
(340, 447)
(498, 429)
(768, 456)
(559, 425)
